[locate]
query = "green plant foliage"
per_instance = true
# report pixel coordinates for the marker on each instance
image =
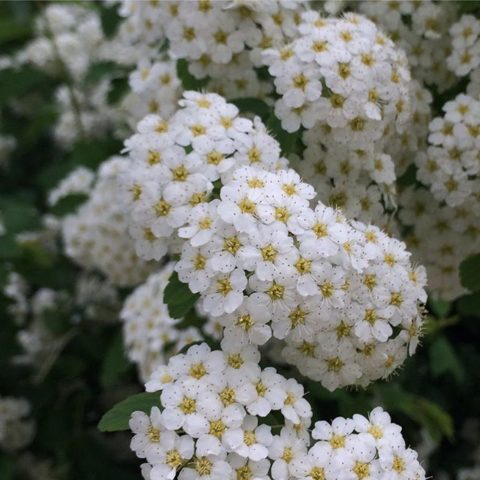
(178, 297)
(117, 418)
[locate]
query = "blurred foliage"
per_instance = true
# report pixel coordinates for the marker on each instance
(437, 390)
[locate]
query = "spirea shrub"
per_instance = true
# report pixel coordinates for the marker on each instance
(226, 228)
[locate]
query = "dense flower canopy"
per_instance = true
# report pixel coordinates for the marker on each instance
(242, 230)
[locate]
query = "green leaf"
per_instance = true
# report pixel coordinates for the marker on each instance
(253, 105)
(115, 363)
(13, 31)
(189, 82)
(409, 177)
(6, 467)
(110, 20)
(18, 215)
(470, 272)
(119, 87)
(68, 204)
(444, 360)
(116, 419)
(421, 410)
(99, 69)
(287, 141)
(178, 297)
(469, 304)
(440, 308)
(15, 84)
(437, 421)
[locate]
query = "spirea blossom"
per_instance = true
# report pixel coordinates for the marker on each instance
(150, 334)
(96, 235)
(440, 237)
(344, 73)
(342, 295)
(212, 421)
(212, 416)
(451, 164)
(16, 428)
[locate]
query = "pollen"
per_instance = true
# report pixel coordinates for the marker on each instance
(198, 129)
(197, 371)
(261, 389)
(281, 214)
(327, 288)
(398, 464)
(303, 266)
(162, 208)
(308, 349)
(396, 299)
(337, 441)
(214, 157)
(269, 253)
(224, 286)
(199, 262)
(205, 223)
(245, 322)
(189, 33)
(203, 466)
(217, 427)
(287, 454)
(344, 70)
(300, 81)
(235, 360)
(337, 100)
(289, 188)
(334, 364)
(247, 206)
(276, 291)
(319, 46)
(153, 157)
(256, 183)
(136, 191)
(362, 470)
(317, 473)
(370, 316)
(249, 438)
(297, 317)
(162, 126)
(188, 405)
(254, 155)
(232, 245)
(376, 432)
(153, 434)
(227, 396)
(180, 174)
(173, 459)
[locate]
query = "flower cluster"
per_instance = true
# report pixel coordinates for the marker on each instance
(68, 36)
(465, 55)
(175, 162)
(213, 421)
(441, 238)
(342, 295)
(78, 181)
(421, 29)
(211, 35)
(96, 235)
(16, 429)
(343, 73)
(7, 145)
(451, 164)
(155, 88)
(359, 448)
(150, 334)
